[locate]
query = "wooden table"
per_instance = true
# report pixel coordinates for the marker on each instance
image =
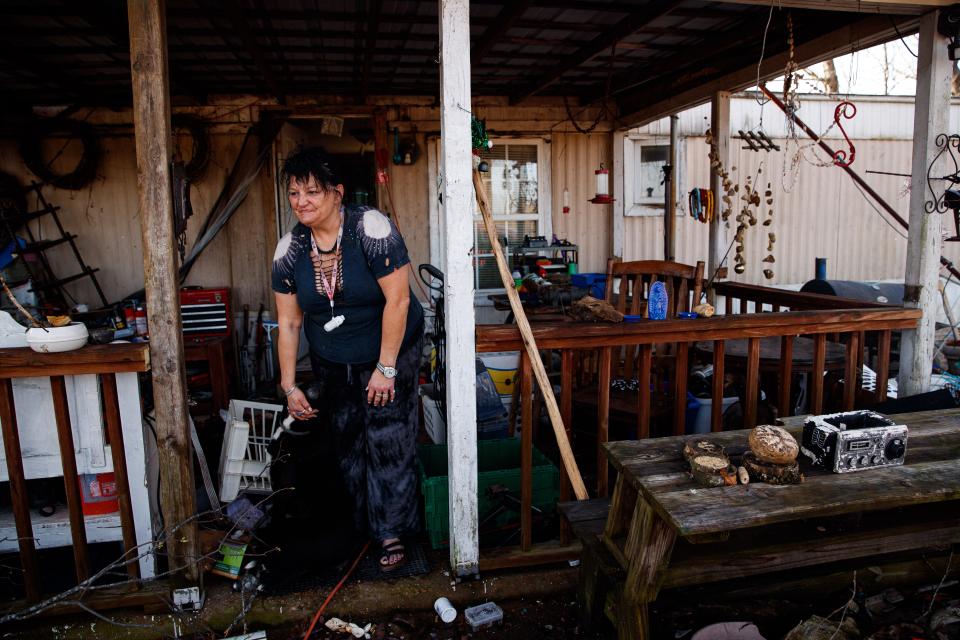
(535, 312)
(216, 353)
(665, 531)
(770, 352)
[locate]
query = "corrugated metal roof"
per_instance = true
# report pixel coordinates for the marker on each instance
(348, 48)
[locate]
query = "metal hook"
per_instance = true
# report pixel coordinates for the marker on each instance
(845, 110)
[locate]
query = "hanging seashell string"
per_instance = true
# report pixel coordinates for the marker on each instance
(796, 153)
(750, 208)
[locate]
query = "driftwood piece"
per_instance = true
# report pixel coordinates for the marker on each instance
(771, 473)
(694, 447)
(589, 309)
(709, 464)
(773, 445)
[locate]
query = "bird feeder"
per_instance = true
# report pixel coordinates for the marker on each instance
(603, 186)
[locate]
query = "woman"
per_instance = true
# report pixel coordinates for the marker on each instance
(344, 271)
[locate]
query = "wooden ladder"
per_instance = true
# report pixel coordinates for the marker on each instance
(46, 280)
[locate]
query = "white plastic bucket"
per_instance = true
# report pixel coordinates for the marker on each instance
(702, 422)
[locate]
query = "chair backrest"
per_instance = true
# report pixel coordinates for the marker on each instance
(684, 284)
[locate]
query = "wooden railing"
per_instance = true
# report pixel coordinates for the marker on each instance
(747, 298)
(678, 338)
(105, 361)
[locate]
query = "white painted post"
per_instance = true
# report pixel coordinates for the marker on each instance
(456, 162)
(720, 127)
(931, 117)
(618, 228)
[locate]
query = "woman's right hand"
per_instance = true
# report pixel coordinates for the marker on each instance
(299, 407)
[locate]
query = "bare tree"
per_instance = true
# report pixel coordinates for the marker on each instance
(825, 81)
(830, 82)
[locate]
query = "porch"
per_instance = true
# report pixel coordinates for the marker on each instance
(244, 70)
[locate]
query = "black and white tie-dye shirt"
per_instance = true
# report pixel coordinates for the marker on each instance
(371, 248)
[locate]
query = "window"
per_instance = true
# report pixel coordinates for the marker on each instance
(643, 161)
(517, 189)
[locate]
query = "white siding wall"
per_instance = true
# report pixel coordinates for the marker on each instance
(823, 214)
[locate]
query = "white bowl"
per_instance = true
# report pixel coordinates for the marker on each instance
(57, 339)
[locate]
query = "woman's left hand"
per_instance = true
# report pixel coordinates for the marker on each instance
(380, 390)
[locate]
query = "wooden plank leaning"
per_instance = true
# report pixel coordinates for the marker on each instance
(529, 344)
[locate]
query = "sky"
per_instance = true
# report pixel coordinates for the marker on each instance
(862, 73)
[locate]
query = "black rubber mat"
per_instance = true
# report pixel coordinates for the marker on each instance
(416, 564)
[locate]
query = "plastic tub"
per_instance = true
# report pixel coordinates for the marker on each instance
(57, 339)
(701, 422)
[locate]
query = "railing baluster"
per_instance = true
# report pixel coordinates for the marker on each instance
(786, 375)
(526, 452)
(862, 354)
(850, 378)
(603, 418)
(680, 389)
(111, 402)
(728, 305)
(753, 384)
(816, 374)
(78, 533)
(643, 392)
(566, 413)
(883, 364)
(716, 409)
(18, 492)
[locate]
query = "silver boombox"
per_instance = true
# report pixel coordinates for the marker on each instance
(854, 441)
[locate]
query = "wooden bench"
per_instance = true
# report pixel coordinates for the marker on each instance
(663, 531)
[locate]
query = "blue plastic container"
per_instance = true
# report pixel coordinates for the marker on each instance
(693, 408)
(595, 282)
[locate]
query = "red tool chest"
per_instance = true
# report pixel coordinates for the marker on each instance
(205, 312)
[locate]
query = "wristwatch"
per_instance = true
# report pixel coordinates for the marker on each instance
(388, 372)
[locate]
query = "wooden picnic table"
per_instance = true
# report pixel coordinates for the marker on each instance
(666, 531)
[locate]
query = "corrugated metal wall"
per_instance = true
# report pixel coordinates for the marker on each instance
(818, 211)
(574, 157)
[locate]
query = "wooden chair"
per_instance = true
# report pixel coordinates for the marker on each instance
(636, 278)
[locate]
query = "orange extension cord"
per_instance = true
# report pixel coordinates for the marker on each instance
(323, 607)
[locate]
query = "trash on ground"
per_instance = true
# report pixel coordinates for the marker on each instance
(483, 615)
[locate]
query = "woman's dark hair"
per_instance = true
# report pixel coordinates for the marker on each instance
(307, 162)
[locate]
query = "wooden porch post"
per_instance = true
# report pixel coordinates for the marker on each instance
(670, 206)
(457, 210)
(618, 224)
(151, 122)
(720, 128)
(931, 117)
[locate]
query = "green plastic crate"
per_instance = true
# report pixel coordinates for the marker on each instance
(498, 462)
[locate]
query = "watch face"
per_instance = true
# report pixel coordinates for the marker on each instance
(388, 372)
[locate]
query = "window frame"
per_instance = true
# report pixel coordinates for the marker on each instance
(543, 216)
(636, 205)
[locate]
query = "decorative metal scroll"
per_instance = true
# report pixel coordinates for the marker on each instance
(846, 110)
(949, 144)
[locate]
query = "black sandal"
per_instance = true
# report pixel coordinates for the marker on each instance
(392, 549)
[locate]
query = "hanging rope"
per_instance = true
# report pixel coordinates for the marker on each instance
(31, 150)
(604, 109)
